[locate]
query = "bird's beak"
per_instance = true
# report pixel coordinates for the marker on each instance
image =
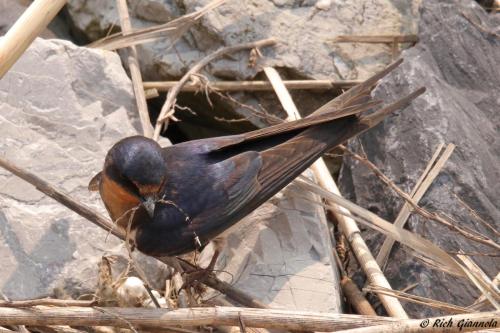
(149, 203)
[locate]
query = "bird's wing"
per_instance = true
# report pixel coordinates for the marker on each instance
(353, 102)
(249, 178)
(363, 104)
(237, 184)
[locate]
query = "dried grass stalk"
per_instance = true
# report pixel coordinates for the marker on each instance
(405, 237)
(428, 176)
(376, 39)
(172, 31)
(135, 72)
(481, 280)
(187, 317)
(450, 308)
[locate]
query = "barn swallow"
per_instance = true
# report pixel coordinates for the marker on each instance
(175, 199)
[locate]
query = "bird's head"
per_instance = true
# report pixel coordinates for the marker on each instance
(136, 163)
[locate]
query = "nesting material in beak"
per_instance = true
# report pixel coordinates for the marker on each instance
(149, 204)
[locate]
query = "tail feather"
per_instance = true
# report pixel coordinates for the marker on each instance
(285, 161)
(376, 117)
(361, 89)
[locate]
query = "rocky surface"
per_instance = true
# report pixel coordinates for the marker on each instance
(282, 255)
(456, 60)
(306, 29)
(61, 109)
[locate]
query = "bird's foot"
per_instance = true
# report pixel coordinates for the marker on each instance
(199, 275)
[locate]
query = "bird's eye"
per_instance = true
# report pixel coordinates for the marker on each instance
(130, 187)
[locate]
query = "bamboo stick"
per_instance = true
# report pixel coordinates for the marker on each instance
(481, 280)
(365, 258)
(25, 30)
(481, 301)
(425, 181)
(356, 297)
(251, 85)
(231, 316)
(450, 308)
(187, 317)
(135, 72)
(348, 225)
(377, 39)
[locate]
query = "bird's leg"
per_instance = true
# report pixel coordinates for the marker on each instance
(213, 261)
(201, 274)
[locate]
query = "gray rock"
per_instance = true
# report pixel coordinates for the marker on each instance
(96, 19)
(305, 31)
(456, 61)
(306, 49)
(282, 255)
(61, 109)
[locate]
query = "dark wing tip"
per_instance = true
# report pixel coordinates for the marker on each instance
(376, 117)
(351, 95)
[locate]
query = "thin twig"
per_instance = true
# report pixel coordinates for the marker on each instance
(470, 234)
(171, 31)
(62, 198)
(478, 25)
(261, 114)
(167, 109)
(46, 302)
(252, 85)
(377, 39)
(475, 214)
